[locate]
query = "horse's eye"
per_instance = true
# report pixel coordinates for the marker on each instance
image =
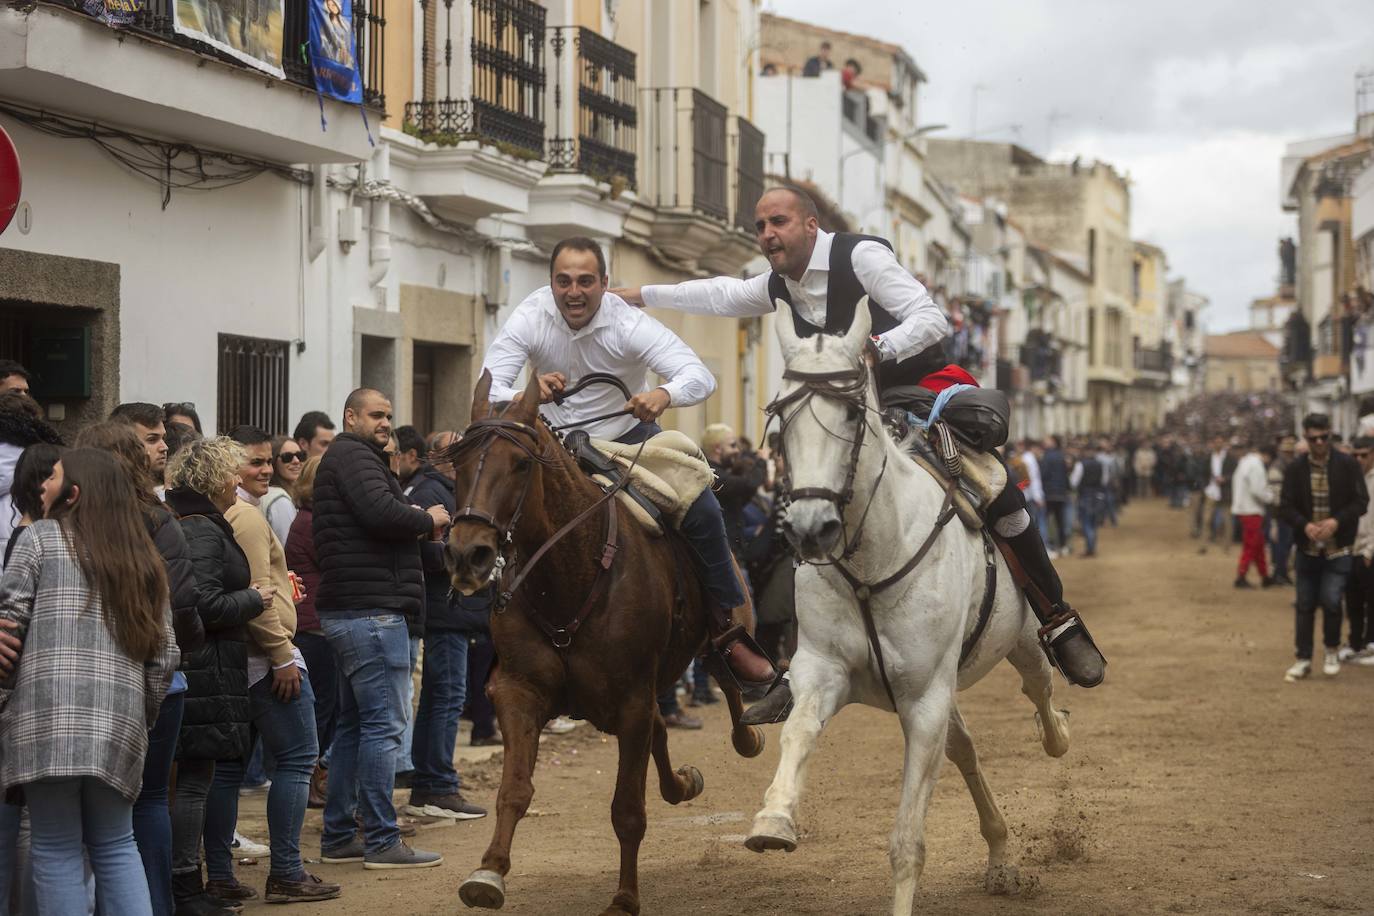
(853, 412)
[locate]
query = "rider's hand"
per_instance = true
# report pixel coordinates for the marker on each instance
(10, 647)
(286, 683)
(551, 384)
(631, 294)
(650, 405)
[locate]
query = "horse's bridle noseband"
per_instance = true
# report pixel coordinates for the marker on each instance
(483, 434)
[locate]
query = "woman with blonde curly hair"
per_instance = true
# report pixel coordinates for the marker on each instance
(201, 483)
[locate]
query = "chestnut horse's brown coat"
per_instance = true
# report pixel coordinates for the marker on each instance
(635, 641)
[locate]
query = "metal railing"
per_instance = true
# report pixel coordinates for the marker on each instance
(499, 91)
(597, 136)
(749, 173)
(155, 20)
(1150, 359)
(687, 151)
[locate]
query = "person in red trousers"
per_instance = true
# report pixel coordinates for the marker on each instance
(1249, 497)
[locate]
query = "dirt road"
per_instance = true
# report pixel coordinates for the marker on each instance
(1197, 782)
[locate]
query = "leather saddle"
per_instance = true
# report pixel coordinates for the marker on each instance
(600, 467)
(980, 476)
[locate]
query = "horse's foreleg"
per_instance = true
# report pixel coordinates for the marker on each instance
(1037, 683)
(521, 712)
(747, 739)
(819, 689)
(635, 735)
(924, 722)
(1000, 878)
(676, 786)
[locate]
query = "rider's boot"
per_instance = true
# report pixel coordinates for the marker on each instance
(1063, 635)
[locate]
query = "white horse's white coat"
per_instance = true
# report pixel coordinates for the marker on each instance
(921, 621)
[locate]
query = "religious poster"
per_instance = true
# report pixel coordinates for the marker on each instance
(248, 30)
(334, 50)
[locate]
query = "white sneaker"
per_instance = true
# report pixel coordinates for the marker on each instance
(1332, 665)
(1301, 669)
(244, 846)
(1345, 654)
(1365, 658)
(560, 726)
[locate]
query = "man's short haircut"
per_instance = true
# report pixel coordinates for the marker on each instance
(179, 435)
(311, 422)
(248, 434)
(9, 367)
(826, 45)
(715, 434)
(148, 415)
(804, 201)
(1364, 442)
(1268, 451)
(1316, 421)
(408, 437)
(358, 395)
(579, 243)
(445, 436)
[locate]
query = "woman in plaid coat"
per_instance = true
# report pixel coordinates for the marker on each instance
(90, 595)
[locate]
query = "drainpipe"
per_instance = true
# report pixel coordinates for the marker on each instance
(379, 255)
(319, 210)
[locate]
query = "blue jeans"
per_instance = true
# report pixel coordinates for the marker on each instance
(67, 814)
(1320, 581)
(1281, 547)
(443, 689)
(404, 763)
(1090, 502)
(152, 820)
(323, 682)
(288, 734)
(373, 656)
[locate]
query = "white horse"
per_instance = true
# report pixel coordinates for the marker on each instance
(921, 620)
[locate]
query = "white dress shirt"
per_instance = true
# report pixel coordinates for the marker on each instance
(620, 340)
(1035, 490)
(901, 296)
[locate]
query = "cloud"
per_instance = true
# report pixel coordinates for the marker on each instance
(1194, 99)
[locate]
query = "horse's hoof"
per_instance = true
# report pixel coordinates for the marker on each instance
(483, 888)
(698, 782)
(749, 750)
(772, 831)
(1002, 881)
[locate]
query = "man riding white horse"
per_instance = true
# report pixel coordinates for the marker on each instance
(822, 277)
(574, 328)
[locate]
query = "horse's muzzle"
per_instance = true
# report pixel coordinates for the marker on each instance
(471, 551)
(813, 527)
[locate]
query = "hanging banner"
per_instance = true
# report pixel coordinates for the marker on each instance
(334, 50)
(247, 30)
(114, 12)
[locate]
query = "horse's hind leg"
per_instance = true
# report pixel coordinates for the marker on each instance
(924, 724)
(676, 786)
(635, 735)
(1000, 878)
(819, 689)
(747, 739)
(1037, 684)
(521, 713)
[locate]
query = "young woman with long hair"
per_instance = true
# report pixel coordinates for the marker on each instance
(34, 466)
(90, 594)
(280, 503)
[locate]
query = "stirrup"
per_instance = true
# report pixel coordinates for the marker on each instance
(717, 659)
(1065, 624)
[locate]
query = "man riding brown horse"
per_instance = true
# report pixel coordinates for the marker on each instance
(573, 328)
(822, 277)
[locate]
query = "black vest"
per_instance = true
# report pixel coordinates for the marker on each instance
(842, 295)
(1092, 475)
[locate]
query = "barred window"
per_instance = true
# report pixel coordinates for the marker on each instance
(253, 383)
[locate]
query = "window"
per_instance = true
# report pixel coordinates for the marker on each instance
(253, 376)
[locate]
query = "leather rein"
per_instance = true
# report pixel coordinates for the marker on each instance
(850, 387)
(482, 435)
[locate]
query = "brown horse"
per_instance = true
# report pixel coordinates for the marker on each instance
(600, 619)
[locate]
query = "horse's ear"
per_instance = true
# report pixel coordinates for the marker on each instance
(528, 408)
(857, 336)
(788, 341)
(481, 398)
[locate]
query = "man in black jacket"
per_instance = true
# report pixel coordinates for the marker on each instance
(367, 541)
(1323, 498)
(434, 788)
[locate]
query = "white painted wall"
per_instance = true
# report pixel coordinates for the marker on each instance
(801, 117)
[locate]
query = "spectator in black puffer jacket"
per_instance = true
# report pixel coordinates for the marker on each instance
(202, 479)
(367, 541)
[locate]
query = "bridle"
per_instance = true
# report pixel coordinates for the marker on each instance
(482, 435)
(850, 388)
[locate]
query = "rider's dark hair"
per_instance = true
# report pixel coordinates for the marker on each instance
(579, 243)
(1316, 421)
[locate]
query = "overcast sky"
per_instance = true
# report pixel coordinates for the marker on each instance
(1194, 99)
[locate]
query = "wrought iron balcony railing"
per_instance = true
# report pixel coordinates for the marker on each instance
(497, 92)
(748, 173)
(688, 152)
(154, 19)
(1150, 359)
(594, 131)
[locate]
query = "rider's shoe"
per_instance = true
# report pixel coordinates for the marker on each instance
(1071, 648)
(775, 707)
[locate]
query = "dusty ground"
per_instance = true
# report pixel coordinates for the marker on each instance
(1197, 782)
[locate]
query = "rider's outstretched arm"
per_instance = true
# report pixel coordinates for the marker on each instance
(903, 297)
(724, 296)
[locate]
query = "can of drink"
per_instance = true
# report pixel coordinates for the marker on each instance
(297, 587)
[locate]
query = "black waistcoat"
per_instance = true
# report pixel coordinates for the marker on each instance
(843, 293)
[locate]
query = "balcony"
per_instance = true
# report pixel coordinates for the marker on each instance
(479, 126)
(56, 57)
(736, 248)
(593, 121)
(1154, 366)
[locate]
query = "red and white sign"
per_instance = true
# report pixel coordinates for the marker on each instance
(10, 184)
